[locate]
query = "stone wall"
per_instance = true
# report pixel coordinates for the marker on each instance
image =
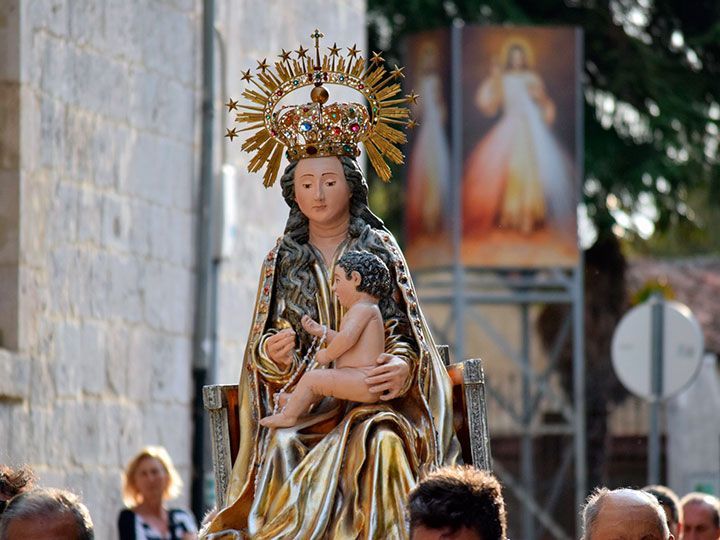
(108, 152)
(9, 170)
(98, 189)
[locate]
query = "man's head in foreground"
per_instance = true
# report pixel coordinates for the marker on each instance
(459, 503)
(629, 514)
(701, 517)
(50, 514)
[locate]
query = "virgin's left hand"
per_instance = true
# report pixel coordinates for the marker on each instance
(389, 377)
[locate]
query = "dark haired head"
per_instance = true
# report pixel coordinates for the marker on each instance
(374, 275)
(667, 499)
(14, 481)
(455, 498)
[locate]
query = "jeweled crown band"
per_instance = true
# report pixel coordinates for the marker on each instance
(315, 129)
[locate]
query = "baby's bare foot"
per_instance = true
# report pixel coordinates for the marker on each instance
(280, 420)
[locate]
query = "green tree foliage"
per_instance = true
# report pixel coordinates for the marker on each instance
(652, 92)
(651, 83)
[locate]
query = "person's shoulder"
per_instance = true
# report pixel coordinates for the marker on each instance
(274, 251)
(363, 309)
(180, 516)
(126, 523)
(271, 256)
(385, 236)
(388, 241)
(179, 512)
(125, 513)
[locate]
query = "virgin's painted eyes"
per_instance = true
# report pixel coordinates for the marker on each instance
(307, 185)
(330, 183)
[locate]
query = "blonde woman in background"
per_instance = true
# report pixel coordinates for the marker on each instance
(150, 479)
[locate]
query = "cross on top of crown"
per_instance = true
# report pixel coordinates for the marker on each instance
(316, 35)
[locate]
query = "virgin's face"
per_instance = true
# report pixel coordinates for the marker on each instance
(321, 190)
(151, 479)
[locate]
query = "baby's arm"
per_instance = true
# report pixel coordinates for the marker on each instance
(316, 329)
(353, 324)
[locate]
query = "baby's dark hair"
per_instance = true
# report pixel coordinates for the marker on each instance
(374, 275)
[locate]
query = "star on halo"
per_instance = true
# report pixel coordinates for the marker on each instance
(376, 58)
(412, 97)
(397, 72)
(353, 51)
(334, 50)
(231, 105)
(412, 124)
(302, 53)
(262, 66)
(285, 55)
(231, 133)
(246, 76)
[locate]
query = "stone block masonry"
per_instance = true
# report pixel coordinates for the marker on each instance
(98, 193)
(106, 166)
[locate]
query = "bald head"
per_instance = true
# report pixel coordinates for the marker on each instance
(626, 514)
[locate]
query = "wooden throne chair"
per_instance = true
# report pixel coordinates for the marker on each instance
(469, 420)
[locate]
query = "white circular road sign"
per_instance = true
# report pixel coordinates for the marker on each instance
(682, 349)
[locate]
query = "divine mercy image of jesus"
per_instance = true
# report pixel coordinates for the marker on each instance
(428, 190)
(518, 184)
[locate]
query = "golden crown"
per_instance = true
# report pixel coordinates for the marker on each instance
(315, 129)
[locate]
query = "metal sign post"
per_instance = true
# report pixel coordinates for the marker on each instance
(656, 390)
(656, 352)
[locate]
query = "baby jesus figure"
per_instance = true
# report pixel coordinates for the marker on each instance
(361, 279)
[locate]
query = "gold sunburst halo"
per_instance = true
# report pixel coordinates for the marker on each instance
(318, 129)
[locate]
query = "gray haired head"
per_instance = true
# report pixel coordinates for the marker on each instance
(626, 496)
(374, 274)
(48, 504)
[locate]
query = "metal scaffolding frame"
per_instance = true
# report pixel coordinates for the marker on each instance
(522, 288)
(466, 290)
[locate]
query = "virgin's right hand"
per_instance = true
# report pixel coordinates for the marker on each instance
(279, 347)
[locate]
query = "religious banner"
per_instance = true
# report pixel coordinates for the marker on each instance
(428, 195)
(519, 181)
(512, 196)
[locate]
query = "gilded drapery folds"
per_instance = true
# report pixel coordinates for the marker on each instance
(344, 471)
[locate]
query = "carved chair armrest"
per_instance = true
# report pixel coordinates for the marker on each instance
(470, 412)
(221, 402)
